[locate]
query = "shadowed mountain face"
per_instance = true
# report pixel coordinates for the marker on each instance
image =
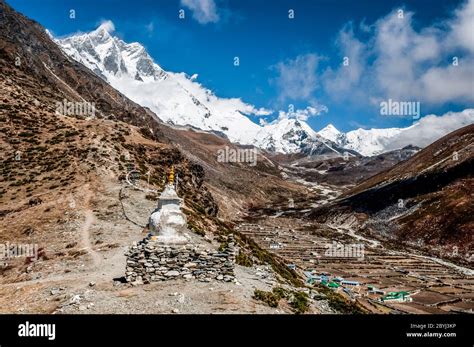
(425, 201)
(342, 170)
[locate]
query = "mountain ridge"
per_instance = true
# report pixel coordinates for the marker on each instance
(179, 99)
(422, 133)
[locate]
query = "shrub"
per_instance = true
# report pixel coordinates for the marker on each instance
(300, 302)
(280, 292)
(340, 304)
(277, 264)
(223, 246)
(267, 297)
(243, 260)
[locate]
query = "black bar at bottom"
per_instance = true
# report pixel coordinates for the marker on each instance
(158, 330)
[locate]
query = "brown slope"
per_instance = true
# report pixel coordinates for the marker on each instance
(236, 186)
(437, 157)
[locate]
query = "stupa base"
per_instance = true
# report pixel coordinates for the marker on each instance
(169, 240)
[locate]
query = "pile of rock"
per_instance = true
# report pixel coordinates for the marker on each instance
(151, 261)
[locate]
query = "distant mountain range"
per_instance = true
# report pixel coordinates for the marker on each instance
(366, 142)
(421, 134)
(177, 98)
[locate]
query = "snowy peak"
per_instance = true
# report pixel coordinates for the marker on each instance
(331, 133)
(285, 135)
(330, 129)
(103, 32)
(420, 134)
(290, 135)
(366, 142)
(109, 56)
(175, 98)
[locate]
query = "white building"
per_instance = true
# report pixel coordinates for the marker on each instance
(167, 223)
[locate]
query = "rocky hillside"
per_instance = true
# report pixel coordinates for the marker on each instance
(346, 170)
(38, 75)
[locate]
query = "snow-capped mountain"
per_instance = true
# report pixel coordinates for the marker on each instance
(176, 98)
(422, 133)
(331, 133)
(366, 142)
(370, 142)
(179, 99)
(109, 56)
(290, 135)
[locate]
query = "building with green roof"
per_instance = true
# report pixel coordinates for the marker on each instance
(401, 296)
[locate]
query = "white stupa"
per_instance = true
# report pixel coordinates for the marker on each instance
(167, 223)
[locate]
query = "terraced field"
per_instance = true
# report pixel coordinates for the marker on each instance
(434, 286)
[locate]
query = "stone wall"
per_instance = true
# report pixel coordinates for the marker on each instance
(152, 261)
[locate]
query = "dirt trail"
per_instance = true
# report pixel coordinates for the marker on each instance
(85, 230)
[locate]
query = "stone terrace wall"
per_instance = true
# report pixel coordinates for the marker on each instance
(151, 261)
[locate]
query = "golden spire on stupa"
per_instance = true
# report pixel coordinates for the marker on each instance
(171, 176)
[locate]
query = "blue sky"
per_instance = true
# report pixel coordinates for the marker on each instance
(298, 61)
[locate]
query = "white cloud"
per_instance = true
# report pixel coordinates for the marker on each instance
(344, 80)
(297, 78)
(150, 27)
(462, 27)
(215, 103)
(430, 128)
(400, 62)
(303, 114)
(204, 11)
(107, 25)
